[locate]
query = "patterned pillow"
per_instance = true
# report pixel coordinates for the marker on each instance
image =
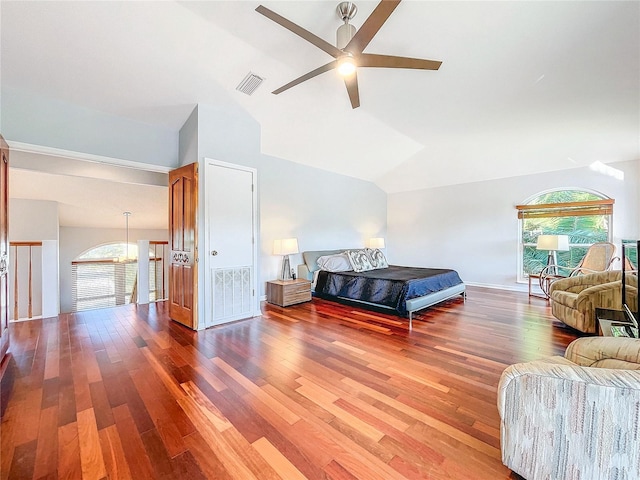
(377, 258)
(359, 260)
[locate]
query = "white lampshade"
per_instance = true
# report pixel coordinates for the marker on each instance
(553, 243)
(286, 246)
(377, 242)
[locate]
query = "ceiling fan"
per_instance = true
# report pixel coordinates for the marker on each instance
(348, 53)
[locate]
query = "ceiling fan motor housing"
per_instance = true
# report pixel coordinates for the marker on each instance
(346, 11)
(344, 35)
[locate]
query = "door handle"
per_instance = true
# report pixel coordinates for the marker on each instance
(214, 253)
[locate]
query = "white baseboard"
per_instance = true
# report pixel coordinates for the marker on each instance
(517, 288)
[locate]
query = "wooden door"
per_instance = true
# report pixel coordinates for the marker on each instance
(4, 248)
(183, 234)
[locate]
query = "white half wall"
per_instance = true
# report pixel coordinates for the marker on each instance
(76, 240)
(473, 227)
(50, 279)
(143, 273)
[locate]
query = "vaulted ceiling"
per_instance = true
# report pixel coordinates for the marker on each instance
(524, 87)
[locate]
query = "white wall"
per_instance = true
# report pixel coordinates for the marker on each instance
(32, 220)
(74, 241)
(188, 139)
(323, 210)
(473, 228)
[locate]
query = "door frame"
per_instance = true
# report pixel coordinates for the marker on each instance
(5, 260)
(207, 317)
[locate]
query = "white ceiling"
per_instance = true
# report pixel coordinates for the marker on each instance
(524, 87)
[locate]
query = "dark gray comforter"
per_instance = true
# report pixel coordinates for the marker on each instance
(389, 287)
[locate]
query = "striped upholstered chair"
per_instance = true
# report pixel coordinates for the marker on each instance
(574, 417)
(574, 300)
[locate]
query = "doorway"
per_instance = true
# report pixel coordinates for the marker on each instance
(79, 203)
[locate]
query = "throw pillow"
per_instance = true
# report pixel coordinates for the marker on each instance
(335, 263)
(359, 260)
(377, 258)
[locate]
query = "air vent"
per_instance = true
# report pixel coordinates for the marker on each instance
(250, 83)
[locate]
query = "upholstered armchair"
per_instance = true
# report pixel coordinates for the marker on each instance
(574, 300)
(574, 416)
(599, 257)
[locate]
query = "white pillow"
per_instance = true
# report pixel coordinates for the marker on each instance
(335, 263)
(359, 260)
(377, 258)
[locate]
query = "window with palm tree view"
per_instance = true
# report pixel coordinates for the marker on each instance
(584, 216)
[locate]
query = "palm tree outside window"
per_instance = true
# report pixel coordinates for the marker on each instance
(582, 215)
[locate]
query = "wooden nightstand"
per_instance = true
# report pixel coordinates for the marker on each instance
(288, 292)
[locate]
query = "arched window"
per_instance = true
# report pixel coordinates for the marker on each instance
(110, 251)
(582, 215)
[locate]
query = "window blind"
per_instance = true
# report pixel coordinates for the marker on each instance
(567, 209)
(101, 283)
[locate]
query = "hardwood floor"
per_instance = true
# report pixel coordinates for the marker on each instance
(317, 390)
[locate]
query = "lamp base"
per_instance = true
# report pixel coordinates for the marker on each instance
(552, 261)
(286, 269)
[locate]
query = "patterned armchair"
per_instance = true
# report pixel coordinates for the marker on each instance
(574, 300)
(574, 416)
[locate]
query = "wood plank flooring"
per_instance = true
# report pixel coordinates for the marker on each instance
(318, 390)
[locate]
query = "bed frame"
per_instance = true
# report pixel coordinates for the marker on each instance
(307, 270)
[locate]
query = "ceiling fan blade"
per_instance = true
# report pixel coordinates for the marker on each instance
(352, 89)
(301, 32)
(390, 61)
(371, 26)
(313, 73)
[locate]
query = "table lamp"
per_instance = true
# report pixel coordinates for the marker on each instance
(377, 242)
(285, 247)
(553, 244)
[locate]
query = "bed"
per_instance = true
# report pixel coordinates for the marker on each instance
(404, 290)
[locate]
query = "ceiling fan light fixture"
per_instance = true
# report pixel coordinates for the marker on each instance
(346, 66)
(348, 53)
